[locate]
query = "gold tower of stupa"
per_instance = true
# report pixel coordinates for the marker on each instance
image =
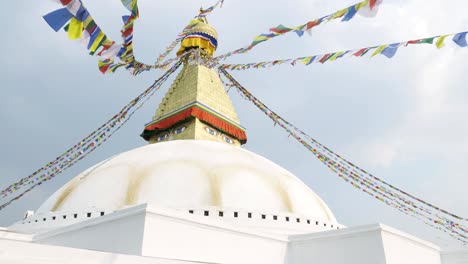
(196, 105)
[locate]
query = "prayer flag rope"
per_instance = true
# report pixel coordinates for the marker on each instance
(81, 25)
(112, 55)
(366, 8)
(83, 148)
(204, 12)
(364, 181)
(387, 50)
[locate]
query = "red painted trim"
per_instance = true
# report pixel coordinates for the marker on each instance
(204, 116)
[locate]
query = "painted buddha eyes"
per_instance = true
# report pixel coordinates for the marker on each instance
(176, 131)
(215, 133)
(211, 131)
(179, 130)
(162, 137)
(228, 140)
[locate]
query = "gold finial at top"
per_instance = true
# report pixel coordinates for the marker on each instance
(199, 34)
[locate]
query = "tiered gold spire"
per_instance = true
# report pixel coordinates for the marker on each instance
(197, 105)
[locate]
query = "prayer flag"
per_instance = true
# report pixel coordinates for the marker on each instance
(74, 6)
(440, 42)
(75, 29)
(308, 60)
(391, 50)
(361, 52)
(460, 39)
(111, 52)
(350, 14)
(97, 43)
(422, 41)
(336, 56)
(58, 18)
(93, 36)
(366, 10)
(280, 29)
(326, 57)
(379, 50)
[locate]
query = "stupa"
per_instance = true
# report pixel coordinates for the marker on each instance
(193, 195)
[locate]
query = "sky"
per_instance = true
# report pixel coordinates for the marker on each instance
(402, 119)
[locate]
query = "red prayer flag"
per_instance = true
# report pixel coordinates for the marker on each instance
(325, 58)
(416, 41)
(280, 31)
(104, 69)
(127, 32)
(312, 24)
(360, 52)
(372, 4)
(65, 2)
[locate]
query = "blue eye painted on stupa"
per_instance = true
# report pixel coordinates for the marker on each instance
(228, 140)
(211, 131)
(162, 137)
(179, 130)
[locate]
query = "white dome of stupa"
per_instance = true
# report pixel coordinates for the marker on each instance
(189, 174)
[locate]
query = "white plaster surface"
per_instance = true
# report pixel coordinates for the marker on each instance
(150, 234)
(455, 256)
(189, 174)
(16, 252)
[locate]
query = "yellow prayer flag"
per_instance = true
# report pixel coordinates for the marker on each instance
(96, 43)
(107, 42)
(440, 42)
(339, 13)
(306, 60)
(334, 57)
(379, 50)
(362, 4)
(75, 29)
(260, 38)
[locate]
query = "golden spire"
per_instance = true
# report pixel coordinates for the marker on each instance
(197, 105)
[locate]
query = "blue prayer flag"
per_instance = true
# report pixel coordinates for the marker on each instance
(391, 50)
(299, 33)
(350, 14)
(82, 13)
(125, 18)
(460, 39)
(58, 18)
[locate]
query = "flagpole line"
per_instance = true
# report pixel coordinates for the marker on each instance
(128, 110)
(359, 52)
(238, 86)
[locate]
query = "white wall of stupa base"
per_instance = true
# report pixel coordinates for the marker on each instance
(149, 234)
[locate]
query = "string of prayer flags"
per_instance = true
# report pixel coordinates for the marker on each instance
(176, 42)
(387, 50)
(204, 12)
(83, 148)
(132, 6)
(80, 25)
(406, 203)
(367, 8)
